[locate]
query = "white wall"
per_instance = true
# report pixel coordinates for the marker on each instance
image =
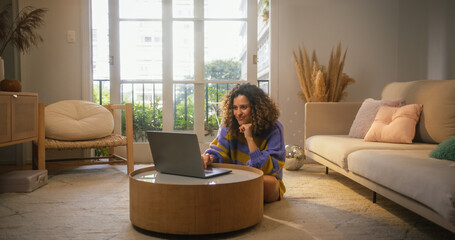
(387, 41)
(423, 40)
(55, 70)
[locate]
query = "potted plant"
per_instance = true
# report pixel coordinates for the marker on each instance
(19, 31)
(318, 83)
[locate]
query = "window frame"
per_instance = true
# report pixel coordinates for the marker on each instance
(168, 82)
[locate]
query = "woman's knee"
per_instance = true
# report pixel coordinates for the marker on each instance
(271, 189)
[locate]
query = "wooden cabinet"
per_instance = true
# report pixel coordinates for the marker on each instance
(18, 117)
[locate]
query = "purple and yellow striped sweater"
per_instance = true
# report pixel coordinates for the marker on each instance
(269, 157)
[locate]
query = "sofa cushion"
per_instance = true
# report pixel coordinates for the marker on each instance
(437, 121)
(336, 148)
(366, 114)
(445, 150)
(394, 124)
(412, 173)
(77, 120)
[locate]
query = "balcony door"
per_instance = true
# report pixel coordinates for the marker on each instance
(173, 59)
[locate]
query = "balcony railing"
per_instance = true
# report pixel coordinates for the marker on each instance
(146, 99)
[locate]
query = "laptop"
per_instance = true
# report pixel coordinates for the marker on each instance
(179, 154)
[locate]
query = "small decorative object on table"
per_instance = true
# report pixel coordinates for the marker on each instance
(294, 157)
(10, 85)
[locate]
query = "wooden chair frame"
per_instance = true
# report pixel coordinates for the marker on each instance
(42, 144)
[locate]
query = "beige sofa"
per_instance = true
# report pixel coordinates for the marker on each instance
(403, 173)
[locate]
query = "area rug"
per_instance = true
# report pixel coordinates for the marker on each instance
(92, 202)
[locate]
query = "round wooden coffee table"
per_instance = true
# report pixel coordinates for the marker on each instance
(174, 204)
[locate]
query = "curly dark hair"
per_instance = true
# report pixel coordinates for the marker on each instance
(264, 111)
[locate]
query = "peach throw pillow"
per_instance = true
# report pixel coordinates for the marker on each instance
(366, 114)
(394, 124)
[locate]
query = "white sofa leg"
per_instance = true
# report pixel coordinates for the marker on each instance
(374, 197)
(326, 170)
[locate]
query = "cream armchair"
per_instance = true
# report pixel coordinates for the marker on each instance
(111, 140)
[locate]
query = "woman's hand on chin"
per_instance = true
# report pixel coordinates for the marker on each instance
(247, 130)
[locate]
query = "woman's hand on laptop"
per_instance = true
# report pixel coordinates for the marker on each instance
(207, 159)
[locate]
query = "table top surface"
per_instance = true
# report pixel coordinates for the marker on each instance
(237, 175)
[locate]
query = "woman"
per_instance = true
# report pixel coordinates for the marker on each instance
(251, 135)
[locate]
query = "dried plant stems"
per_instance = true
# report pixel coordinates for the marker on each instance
(317, 84)
(320, 87)
(307, 69)
(22, 31)
(299, 68)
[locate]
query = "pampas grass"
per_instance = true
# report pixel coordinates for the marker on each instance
(318, 84)
(21, 31)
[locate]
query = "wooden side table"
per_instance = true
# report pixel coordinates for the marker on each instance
(184, 205)
(18, 117)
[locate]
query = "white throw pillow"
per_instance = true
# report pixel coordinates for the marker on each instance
(366, 114)
(77, 120)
